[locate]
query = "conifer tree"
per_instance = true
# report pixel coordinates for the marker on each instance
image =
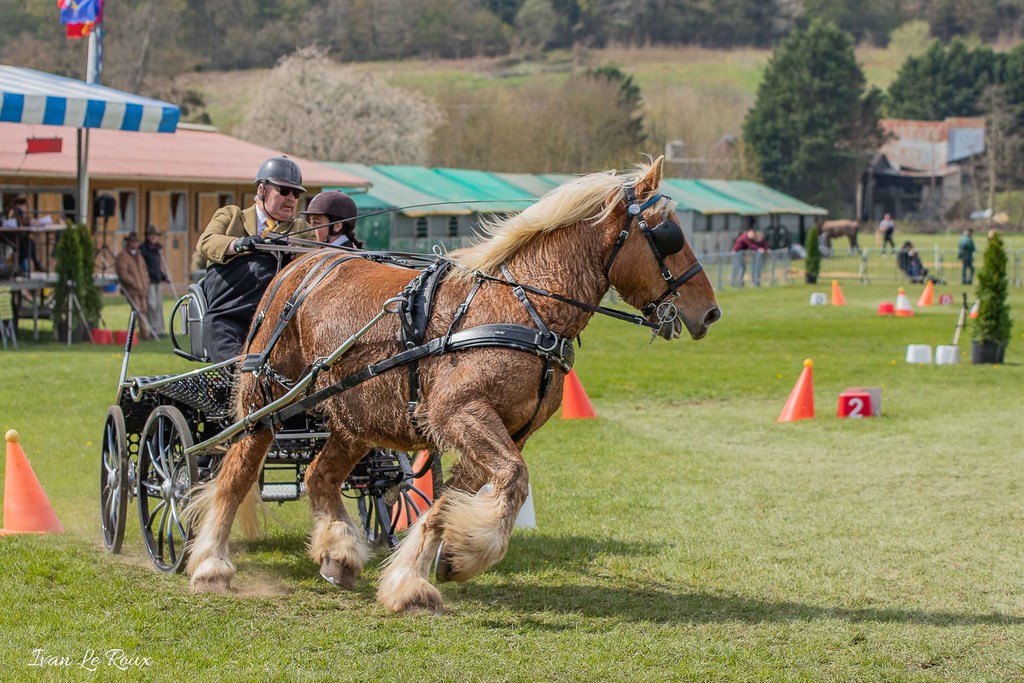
(814, 126)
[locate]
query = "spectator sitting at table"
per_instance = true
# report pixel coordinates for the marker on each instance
(909, 261)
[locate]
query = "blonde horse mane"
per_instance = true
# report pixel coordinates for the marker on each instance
(586, 198)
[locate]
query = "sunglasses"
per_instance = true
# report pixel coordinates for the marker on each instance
(285, 191)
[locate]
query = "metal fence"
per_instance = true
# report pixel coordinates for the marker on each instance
(778, 267)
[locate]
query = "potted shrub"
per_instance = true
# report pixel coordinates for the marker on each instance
(74, 255)
(812, 261)
(992, 326)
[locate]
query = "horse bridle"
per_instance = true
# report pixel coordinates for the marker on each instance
(664, 239)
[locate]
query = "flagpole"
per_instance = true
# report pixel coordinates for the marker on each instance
(92, 75)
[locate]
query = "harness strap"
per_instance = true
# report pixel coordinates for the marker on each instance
(632, 211)
(258, 321)
(542, 391)
(520, 293)
(414, 315)
(316, 275)
(461, 311)
(672, 286)
(603, 310)
(557, 349)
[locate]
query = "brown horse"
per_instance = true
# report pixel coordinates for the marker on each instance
(484, 402)
(841, 228)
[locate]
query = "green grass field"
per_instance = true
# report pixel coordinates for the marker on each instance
(682, 535)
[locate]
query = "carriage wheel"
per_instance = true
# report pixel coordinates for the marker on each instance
(113, 479)
(384, 516)
(165, 476)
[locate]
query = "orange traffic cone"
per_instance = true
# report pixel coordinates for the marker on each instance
(26, 507)
(575, 404)
(837, 294)
(407, 514)
(903, 308)
(974, 310)
(800, 405)
(928, 295)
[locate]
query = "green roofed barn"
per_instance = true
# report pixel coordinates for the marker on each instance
(397, 216)
(413, 208)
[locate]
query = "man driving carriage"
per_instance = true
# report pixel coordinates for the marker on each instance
(238, 274)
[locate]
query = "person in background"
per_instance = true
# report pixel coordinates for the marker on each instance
(909, 261)
(887, 228)
(26, 246)
(965, 250)
(238, 273)
(134, 279)
(331, 207)
(757, 264)
(152, 253)
(747, 241)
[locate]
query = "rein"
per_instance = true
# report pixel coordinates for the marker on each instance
(664, 239)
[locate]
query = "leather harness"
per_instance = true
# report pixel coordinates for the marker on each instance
(416, 309)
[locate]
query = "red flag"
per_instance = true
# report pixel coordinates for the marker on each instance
(80, 16)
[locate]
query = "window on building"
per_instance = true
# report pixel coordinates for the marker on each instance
(177, 219)
(453, 226)
(421, 226)
(127, 211)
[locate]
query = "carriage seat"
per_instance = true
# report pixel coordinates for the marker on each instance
(194, 304)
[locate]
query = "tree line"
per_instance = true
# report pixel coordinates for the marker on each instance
(815, 124)
(170, 36)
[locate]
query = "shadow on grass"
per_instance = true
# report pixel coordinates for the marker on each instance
(651, 600)
(648, 602)
(284, 557)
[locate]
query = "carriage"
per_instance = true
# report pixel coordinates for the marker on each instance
(148, 453)
(352, 354)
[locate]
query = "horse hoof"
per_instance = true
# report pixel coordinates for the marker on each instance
(415, 597)
(429, 607)
(336, 573)
(214, 584)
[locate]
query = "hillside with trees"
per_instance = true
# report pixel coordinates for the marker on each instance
(147, 40)
(786, 91)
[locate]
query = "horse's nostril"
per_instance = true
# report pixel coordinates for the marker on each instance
(713, 316)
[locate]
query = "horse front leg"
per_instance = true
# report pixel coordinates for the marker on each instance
(467, 531)
(337, 543)
(214, 505)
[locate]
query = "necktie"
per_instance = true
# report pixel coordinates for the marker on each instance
(271, 224)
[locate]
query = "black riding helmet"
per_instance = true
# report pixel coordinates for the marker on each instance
(337, 206)
(281, 171)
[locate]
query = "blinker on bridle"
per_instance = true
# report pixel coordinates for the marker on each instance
(664, 239)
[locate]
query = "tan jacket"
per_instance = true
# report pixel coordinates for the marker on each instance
(230, 223)
(132, 273)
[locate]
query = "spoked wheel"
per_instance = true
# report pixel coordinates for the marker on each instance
(399, 491)
(165, 476)
(114, 485)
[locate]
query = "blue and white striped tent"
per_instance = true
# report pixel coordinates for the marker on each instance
(29, 96)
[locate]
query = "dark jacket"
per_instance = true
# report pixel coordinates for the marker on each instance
(235, 284)
(151, 254)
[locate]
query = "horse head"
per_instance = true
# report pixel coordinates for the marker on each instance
(650, 263)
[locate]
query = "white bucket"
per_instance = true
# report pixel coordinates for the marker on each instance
(919, 353)
(818, 299)
(947, 355)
